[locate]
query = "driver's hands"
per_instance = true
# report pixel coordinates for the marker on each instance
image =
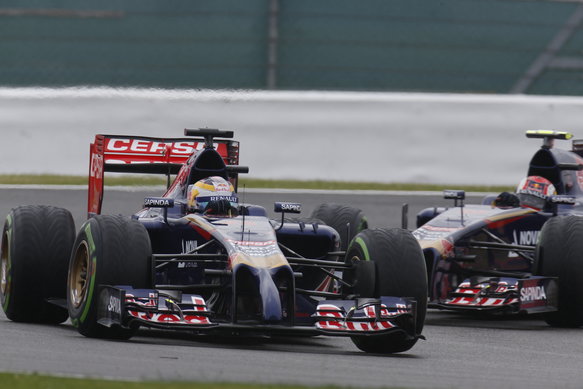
(220, 208)
(507, 200)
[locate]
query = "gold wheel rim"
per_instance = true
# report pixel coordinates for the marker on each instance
(78, 278)
(4, 265)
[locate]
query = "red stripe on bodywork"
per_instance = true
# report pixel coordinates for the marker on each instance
(502, 223)
(205, 234)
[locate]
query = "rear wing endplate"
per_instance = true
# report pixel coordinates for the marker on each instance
(140, 154)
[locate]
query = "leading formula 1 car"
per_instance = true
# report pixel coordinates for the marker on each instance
(196, 259)
(517, 252)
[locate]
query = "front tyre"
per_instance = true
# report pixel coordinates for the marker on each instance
(559, 254)
(109, 250)
(36, 245)
(400, 271)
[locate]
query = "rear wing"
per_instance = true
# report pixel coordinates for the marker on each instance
(140, 154)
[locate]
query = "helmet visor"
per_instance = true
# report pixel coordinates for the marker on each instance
(531, 201)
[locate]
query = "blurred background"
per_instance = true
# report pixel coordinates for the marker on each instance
(477, 46)
(407, 89)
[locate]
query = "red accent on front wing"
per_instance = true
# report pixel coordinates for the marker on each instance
(338, 321)
(481, 302)
(170, 318)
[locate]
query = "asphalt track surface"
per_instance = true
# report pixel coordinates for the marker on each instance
(460, 351)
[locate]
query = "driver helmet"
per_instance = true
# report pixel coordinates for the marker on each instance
(213, 196)
(534, 191)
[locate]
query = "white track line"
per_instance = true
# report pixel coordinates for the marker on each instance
(262, 96)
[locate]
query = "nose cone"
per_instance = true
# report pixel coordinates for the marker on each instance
(270, 297)
(258, 295)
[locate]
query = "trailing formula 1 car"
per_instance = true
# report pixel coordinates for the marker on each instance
(514, 252)
(197, 259)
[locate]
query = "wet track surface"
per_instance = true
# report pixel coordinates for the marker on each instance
(460, 351)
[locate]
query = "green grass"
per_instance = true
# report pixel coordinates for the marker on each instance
(345, 185)
(135, 180)
(54, 179)
(29, 381)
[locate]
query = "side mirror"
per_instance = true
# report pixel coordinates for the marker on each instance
(562, 199)
(282, 207)
(160, 202)
(553, 202)
(450, 194)
(456, 195)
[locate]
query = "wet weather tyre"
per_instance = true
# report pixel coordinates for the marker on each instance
(559, 254)
(347, 221)
(399, 271)
(36, 245)
(109, 250)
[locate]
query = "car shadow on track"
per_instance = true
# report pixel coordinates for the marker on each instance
(290, 344)
(485, 320)
(293, 344)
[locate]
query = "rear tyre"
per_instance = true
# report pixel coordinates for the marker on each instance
(400, 271)
(347, 221)
(559, 254)
(36, 245)
(109, 250)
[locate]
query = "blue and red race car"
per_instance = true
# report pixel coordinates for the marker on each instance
(516, 252)
(197, 259)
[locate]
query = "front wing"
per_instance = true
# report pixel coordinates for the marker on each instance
(531, 294)
(127, 307)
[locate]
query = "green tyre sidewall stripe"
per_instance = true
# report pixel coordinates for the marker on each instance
(93, 264)
(359, 241)
(363, 224)
(79, 317)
